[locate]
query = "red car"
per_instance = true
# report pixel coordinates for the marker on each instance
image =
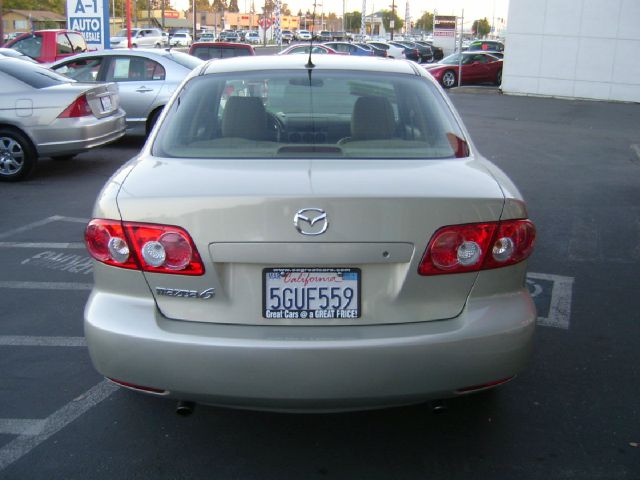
(47, 46)
(209, 50)
(477, 67)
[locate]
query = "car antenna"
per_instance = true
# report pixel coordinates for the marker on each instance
(310, 64)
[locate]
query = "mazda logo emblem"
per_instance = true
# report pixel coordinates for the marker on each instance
(311, 221)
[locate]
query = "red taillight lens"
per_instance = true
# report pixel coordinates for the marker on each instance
(79, 108)
(477, 246)
(107, 243)
(150, 247)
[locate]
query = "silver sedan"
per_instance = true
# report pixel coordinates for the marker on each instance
(146, 79)
(45, 114)
(310, 234)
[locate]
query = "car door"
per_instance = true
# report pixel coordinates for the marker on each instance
(478, 70)
(140, 80)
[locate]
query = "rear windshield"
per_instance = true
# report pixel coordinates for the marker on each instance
(32, 74)
(30, 46)
(206, 52)
(320, 114)
(186, 60)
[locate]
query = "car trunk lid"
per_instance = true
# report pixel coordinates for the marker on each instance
(240, 214)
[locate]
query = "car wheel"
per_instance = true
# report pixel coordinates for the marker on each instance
(449, 79)
(499, 78)
(63, 158)
(134, 45)
(158, 45)
(153, 118)
(18, 157)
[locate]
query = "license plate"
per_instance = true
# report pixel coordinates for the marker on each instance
(311, 293)
(106, 104)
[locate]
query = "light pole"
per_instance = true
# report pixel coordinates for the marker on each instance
(392, 22)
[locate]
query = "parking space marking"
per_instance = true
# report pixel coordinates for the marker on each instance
(40, 223)
(21, 426)
(28, 341)
(636, 149)
(559, 308)
(61, 245)
(46, 285)
(25, 442)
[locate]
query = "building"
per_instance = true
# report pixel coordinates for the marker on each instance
(28, 20)
(573, 48)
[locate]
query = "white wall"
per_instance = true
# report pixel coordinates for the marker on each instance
(574, 48)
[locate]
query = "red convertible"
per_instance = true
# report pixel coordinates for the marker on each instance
(477, 67)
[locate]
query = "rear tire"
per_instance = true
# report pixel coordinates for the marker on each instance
(499, 78)
(18, 157)
(449, 79)
(153, 118)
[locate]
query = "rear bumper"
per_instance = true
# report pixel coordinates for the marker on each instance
(307, 368)
(76, 135)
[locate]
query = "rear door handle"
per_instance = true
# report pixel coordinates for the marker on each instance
(144, 89)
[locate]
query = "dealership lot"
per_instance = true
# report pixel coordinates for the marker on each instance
(572, 414)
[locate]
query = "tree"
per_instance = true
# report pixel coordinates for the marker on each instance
(233, 6)
(352, 21)
(201, 6)
(56, 6)
(425, 22)
(387, 16)
(481, 27)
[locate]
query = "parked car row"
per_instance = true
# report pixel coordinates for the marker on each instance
(146, 78)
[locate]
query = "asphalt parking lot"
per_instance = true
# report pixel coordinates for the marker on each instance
(572, 415)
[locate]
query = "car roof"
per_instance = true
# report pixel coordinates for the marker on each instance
(136, 52)
(321, 62)
(223, 44)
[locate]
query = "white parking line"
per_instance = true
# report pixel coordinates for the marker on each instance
(636, 149)
(25, 442)
(40, 223)
(62, 245)
(560, 306)
(24, 341)
(46, 285)
(21, 426)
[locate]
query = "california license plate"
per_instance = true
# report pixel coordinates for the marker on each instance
(106, 104)
(311, 293)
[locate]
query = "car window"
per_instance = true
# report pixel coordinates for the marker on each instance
(81, 69)
(134, 69)
(30, 46)
(77, 42)
(287, 113)
(63, 45)
(184, 59)
(32, 74)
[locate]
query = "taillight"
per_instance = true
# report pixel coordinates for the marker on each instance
(79, 108)
(145, 246)
(478, 246)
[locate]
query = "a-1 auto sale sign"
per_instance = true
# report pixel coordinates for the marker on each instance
(91, 18)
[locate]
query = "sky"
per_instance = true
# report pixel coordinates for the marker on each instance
(473, 9)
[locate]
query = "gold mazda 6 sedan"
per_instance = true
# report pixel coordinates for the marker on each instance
(309, 234)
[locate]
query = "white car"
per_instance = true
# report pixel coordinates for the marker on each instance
(253, 38)
(392, 50)
(304, 35)
(180, 40)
